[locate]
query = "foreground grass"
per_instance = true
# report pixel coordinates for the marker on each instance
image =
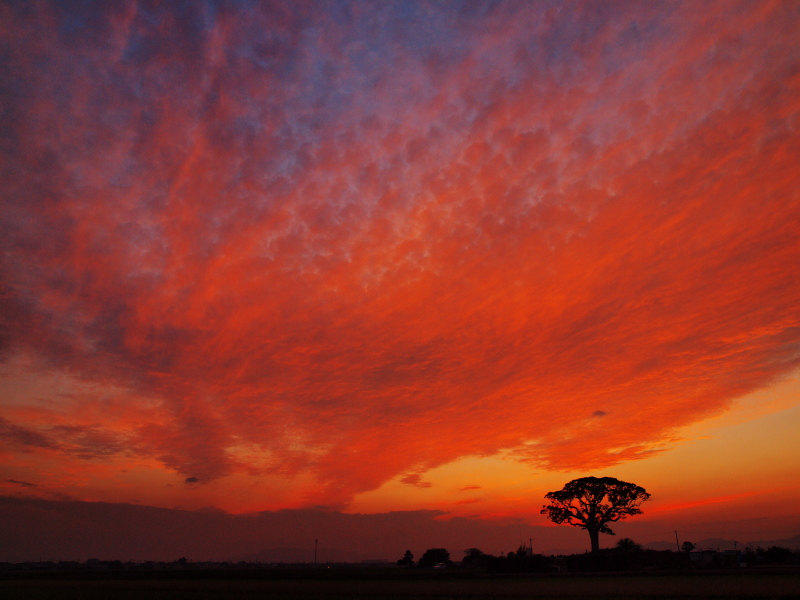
(733, 585)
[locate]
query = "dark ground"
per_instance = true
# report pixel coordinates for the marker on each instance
(396, 584)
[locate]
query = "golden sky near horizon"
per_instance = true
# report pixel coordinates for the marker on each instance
(401, 256)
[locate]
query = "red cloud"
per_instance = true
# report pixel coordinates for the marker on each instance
(364, 260)
(415, 480)
(467, 488)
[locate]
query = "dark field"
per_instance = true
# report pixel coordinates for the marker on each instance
(397, 586)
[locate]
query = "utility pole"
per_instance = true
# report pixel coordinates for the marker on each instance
(531, 542)
(676, 541)
(315, 550)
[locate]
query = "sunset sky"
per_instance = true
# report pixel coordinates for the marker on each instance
(372, 260)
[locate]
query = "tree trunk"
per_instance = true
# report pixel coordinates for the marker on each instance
(594, 535)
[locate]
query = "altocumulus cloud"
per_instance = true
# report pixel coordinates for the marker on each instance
(292, 234)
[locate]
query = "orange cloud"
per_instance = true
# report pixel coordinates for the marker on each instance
(561, 235)
(415, 480)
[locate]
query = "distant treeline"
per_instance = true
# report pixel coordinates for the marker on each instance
(614, 559)
(626, 558)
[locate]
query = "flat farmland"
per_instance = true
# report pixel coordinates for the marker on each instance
(733, 585)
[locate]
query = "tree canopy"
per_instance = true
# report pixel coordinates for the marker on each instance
(434, 556)
(407, 560)
(592, 502)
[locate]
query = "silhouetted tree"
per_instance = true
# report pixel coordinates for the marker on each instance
(628, 546)
(407, 560)
(592, 502)
(521, 561)
(687, 546)
(434, 556)
(627, 554)
(474, 557)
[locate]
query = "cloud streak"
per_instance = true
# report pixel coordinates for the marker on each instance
(353, 243)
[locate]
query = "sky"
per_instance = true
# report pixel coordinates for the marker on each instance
(414, 261)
